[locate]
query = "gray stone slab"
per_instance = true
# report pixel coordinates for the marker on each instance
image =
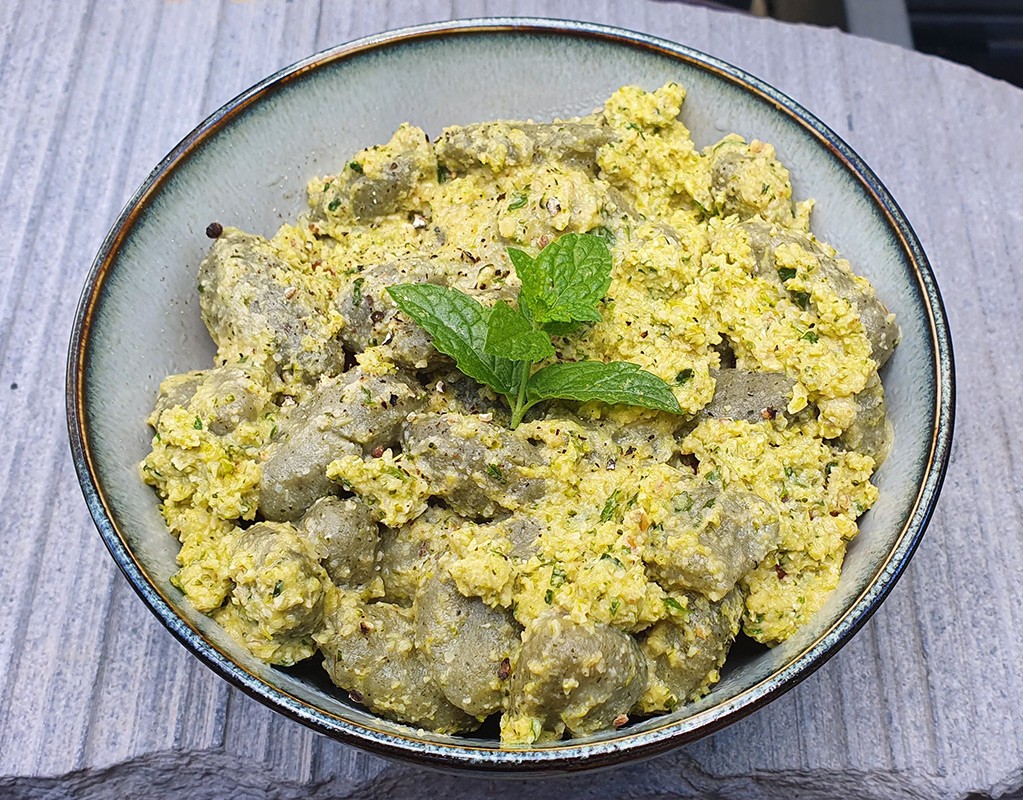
(97, 700)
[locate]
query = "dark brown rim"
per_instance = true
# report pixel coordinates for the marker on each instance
(565, 756)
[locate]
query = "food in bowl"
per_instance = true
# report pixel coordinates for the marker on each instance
(355, 476)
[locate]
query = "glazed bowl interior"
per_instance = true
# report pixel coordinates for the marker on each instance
(248, 166)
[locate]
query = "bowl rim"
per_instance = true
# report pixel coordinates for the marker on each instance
(556, 757)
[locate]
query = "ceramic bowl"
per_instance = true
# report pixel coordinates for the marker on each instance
(248, 164)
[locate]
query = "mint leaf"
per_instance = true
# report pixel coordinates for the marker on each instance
(614, 382)
(520, 259)
(530, 277)
(566, 281)
(561, 328)
(458, 325)
(509, 334)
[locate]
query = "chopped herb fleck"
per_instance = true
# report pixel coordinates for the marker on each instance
(278, 588)
(802, 299)
(611, 506)
(357, 291)
(355, 166)
(334, 204)
(494, 472)
(810, 336)
(787, 273)
(684, 377)
(616, 603)
(443, 173)
(517, 202)
(675, 605)
(197, 424)
(611, 558)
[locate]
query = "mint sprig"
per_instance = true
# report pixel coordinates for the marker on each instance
(561, 289)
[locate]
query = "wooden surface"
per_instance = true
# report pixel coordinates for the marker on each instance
(97, 700)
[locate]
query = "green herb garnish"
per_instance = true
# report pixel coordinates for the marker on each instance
(558, 578)
(494, 472)
(517, 202)
(611, 506)
(334, 204)
(443, 173)
(355, 166)
(675, 605)
(357, 291)
(810, 336)
(197, 424)
(802, 299)
(561, 289)
(787, 273)
(684, 377)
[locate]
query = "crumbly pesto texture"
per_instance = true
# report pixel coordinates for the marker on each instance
(593, 563)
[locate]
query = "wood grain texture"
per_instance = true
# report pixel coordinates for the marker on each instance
(97, 700)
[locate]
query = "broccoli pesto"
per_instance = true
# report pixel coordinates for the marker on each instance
(532, 420)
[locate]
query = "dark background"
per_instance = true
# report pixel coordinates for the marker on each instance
(984, 34)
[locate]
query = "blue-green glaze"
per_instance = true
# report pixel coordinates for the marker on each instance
(247, 165)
